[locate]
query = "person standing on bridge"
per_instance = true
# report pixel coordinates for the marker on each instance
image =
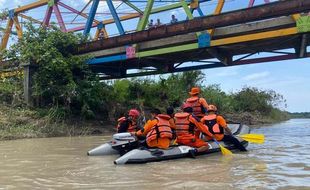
(216, 125)
(150, 24)
(173, 19)
(158, 23)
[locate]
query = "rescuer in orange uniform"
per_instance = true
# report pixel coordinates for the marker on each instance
(198, 104)
(128, 124)
(157, 131)
(170, 112)
(186, 125)
(217, 125)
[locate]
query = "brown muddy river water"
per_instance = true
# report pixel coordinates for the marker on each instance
(283, 162)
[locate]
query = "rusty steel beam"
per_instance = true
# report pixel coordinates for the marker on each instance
(271, 10)
(208, 66)
(29, 18)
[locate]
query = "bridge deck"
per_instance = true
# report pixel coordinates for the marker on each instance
(250, 38)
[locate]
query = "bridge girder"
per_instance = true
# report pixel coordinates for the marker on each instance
(178, 42)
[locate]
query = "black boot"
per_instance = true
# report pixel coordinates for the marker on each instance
(192, 153)
(235, 142)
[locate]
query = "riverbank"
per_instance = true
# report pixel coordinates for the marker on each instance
(18, 123)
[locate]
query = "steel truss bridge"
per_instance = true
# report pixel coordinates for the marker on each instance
(199, 41)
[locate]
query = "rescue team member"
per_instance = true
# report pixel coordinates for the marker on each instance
(198, 104)
(186, 125)
(217, 125)
(170, 112)
(157, 131)
(128, 124)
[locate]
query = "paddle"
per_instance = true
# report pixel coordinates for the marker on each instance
(253, 138)
(224, 150)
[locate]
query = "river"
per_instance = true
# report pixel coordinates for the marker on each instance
(283, 162)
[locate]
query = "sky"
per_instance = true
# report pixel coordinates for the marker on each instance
(289, 78)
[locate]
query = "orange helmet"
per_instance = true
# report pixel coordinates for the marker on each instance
(212, 108)
(194, 91)
(134, 113)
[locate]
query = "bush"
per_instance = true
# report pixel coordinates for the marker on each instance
(251, 99)
(214, 95)
(11, 90)
(62, 79)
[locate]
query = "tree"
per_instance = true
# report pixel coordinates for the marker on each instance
(214, 95)
(251, 99)
(62, 79)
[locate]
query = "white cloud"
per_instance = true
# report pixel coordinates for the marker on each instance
(73, 3)
(284, 82)
(18, 3)
(102, 7)
(256, 76)
(233, 71)
(2, 3)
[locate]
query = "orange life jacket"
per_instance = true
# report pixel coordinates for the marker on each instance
(196, 105)
(183, 125)
(212, 124)
(132, 125)
(161, 129)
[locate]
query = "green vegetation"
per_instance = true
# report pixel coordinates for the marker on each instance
(62, 79)
(4, 14)
(70, 99)
(300, 115)
(249, 105)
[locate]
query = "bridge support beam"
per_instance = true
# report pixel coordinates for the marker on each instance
(301, 51)
(147, 11)
(47, 17)
(18, 27)
(29, 70)
(132, 6)
(115, 17)
(224, 58)
(6, 35)
(59, 18)
(101, 32)
(217, 11)
(91, 17)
